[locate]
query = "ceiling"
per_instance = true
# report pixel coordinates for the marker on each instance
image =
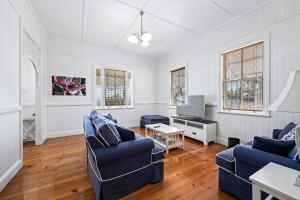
(108, 23)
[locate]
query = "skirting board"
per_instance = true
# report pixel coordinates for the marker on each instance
(64, 133)
(222, 141)
(9, 174)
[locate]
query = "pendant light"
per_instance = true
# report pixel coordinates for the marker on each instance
(143, 38)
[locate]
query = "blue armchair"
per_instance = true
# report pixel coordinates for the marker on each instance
(119, 170)
(237, 164)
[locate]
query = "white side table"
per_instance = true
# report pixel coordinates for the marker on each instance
(277, 181)
(29, 128)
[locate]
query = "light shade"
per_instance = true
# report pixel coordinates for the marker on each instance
(146, 37)
(145, 44)
(133, 39)
(289, 99)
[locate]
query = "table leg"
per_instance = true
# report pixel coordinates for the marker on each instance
(182, 134)
(167, 145)
(256, 193)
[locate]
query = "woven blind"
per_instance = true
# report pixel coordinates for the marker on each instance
(243, 78)
(178, 86)
(115, 87)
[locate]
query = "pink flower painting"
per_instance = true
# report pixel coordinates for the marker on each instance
(68, 86)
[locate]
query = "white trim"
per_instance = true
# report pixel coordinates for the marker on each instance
(157, 152)
(97, 132)
(217, 155)
(131, 171)
(102, 86)
(10, 173)
(10, 109)
(64, 133)
(222, 141)
(112, 108)
(234, 174)
(249, 113)
(68, 104)
(28, 104)
(118, 139)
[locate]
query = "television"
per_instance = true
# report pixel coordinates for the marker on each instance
(195, 107)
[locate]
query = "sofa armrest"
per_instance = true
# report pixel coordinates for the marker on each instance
(276, 133)
(258, 159)
(106, 155)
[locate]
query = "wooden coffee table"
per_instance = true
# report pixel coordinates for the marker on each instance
(167, 137)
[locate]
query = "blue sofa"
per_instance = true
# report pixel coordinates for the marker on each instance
(240, 162)
(119, 170)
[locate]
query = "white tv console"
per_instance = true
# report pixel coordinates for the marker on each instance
(196, 128)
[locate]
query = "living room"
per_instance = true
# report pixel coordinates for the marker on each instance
(203, 75)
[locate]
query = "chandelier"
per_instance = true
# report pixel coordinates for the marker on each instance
(143, 38)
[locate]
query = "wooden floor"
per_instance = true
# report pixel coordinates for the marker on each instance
(58, 170)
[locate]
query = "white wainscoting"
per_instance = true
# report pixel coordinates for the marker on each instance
(66, 119)
(11, 148)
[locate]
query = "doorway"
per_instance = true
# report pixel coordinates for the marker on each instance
(31, 95)
(29, 88)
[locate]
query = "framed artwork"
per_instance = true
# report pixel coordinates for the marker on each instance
(68, 86)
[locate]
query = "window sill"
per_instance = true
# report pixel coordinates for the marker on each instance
(250, 113)
(113, 108)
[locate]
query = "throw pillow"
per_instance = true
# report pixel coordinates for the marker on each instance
(109, 116)
(286, 129)
(125, 133)
(290, 135)
(93, 114)
(106, 131)
(278, 147)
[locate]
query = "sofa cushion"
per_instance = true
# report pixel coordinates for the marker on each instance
(278, 147)
(157, 153)
(226, 160)
(286, 129)
(106, 131)
(125, 133)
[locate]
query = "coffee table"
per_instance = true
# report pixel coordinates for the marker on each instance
(167, 137)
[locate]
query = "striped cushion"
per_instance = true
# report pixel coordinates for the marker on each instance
(105, 131)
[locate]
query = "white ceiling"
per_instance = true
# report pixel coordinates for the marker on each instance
(107, 23)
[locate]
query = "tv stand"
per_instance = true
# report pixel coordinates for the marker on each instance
(197, 128)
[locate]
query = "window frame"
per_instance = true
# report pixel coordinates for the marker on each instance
(265, 90)
(170, 84)
(103, 82)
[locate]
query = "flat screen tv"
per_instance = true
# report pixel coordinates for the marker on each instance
(195, 107)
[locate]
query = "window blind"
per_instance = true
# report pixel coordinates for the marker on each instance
(243, 78)
(115, 87)
(178, 86)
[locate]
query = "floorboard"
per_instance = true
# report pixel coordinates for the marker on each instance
(57, 170)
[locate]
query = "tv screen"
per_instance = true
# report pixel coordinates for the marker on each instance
(195, 107)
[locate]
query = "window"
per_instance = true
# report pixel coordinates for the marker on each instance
(113, 88)
(243, 79)
(178, 87)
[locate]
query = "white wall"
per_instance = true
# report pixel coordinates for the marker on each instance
(31, 22)
(14, 14)
(10, 105)
(280, 19)
(68, 58)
